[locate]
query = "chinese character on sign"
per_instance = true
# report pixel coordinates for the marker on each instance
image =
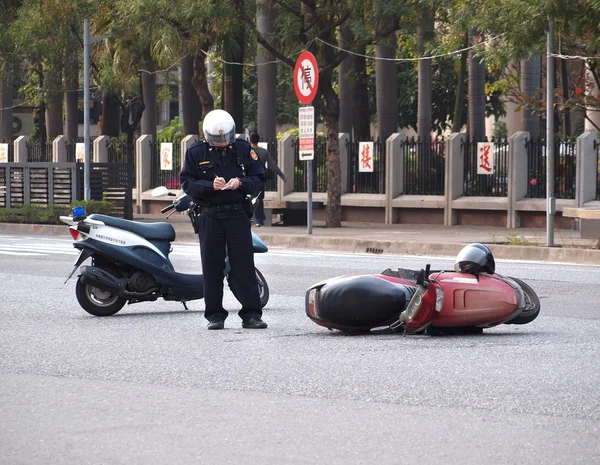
(166, 156)
(3, 153)
(80, 152)
(485, 158)
(307, 80)
(365, 159)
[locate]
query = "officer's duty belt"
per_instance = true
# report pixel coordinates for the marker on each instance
(232, 207)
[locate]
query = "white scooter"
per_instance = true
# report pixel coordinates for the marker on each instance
(130, 261)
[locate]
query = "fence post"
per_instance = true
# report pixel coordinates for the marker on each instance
(394, 176)
(186, 143)
(454, 175)
(517, 175)
(143, 154)
(20, 145)
(587, 168)
(59, 150)
(343, 138)
(100, 152)
(285, 150)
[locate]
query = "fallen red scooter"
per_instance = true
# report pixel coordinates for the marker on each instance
(463, 301)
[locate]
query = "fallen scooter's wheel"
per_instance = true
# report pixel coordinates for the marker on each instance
(96, 301)
(532, 305)
(263, 288)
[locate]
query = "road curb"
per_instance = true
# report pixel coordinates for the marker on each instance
(584, 256)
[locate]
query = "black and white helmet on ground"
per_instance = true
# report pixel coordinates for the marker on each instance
(218, 128)
(475, 258)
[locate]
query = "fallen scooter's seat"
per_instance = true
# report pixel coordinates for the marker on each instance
(362, 300)
(160, 231)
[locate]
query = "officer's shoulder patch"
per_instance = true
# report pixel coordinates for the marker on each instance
(253, 154)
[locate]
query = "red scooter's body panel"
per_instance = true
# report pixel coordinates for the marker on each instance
(471, 300)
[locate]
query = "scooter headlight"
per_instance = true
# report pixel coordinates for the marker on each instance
(439, 298)
(310, 302)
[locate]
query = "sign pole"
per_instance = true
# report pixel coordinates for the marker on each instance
(309, 182)
(306, 84)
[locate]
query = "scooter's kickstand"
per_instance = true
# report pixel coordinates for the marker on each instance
(185, 306)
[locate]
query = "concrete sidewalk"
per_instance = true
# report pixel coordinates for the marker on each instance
(402, 239)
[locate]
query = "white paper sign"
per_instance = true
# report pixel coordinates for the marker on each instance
(80, 152)
(3, 153)
(166, 156)
(306, 117)
(485, 158)
(365, 156)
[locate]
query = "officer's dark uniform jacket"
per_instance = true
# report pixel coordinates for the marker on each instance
(204, 163)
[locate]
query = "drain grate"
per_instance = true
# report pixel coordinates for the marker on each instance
(374, 250)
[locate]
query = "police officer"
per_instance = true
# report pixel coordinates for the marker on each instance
(218, 172)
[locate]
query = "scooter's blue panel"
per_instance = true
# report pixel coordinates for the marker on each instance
(258, 244)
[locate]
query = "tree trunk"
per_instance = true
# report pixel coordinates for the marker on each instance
(201, 83)
(233, 99)
(424, 102)
(39, 112)
(346, 86)
(361, 114)
(149, 114)
(71, 79)
(531, 73)
(329, 108)
(457, 120)
(6, 103)
(109, 124)
(476, 93)
(54, 100)
(191, 108)
(386, 89)
(564, 79)
(267, 74)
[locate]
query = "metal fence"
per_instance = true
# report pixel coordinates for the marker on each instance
(424, 166)
(565, 168)
(494, 163)
(366, 182)
(163, 172)
(319, 168)
(38, 152)
(37, 183)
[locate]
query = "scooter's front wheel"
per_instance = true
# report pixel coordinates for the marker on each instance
(96, 301)
(532, 305)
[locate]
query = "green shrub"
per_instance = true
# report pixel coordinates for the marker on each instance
(42, 214)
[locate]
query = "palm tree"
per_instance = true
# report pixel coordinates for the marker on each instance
(267, 73)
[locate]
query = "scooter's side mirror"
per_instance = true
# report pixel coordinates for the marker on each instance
(160, 191)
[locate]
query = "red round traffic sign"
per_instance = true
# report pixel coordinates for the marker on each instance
(306, 77)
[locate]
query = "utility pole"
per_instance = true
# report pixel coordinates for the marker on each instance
(86, 111)
(551, 201)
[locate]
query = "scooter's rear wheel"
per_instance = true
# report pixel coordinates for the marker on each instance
(96, 301)
(532, 305)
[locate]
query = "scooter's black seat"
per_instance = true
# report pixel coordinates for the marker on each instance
(162, 231)
(362, 300)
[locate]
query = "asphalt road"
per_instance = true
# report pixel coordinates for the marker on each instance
(151, 385)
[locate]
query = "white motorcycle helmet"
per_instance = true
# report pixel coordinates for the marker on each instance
(218, 128)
